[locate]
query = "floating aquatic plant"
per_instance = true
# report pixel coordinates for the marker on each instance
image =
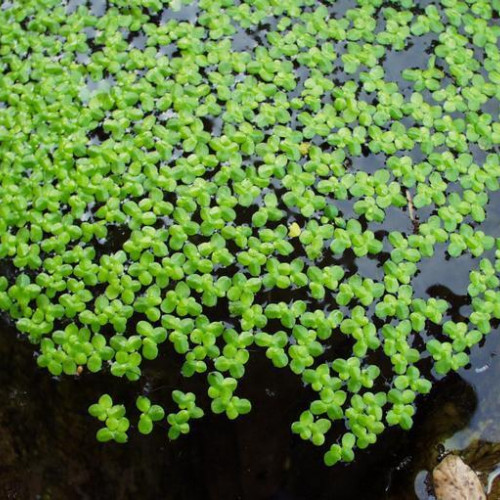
(114, 418)
(162, 184)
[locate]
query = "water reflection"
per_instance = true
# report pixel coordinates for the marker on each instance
(46, 446)
(460, 416)
(47, 449)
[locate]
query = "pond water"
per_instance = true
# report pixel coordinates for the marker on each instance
(47, 451)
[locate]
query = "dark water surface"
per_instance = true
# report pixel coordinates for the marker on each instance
(47, 444)
(48, 449)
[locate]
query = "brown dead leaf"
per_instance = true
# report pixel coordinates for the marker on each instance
(454, 480)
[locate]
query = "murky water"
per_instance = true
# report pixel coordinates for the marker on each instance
(48, 450)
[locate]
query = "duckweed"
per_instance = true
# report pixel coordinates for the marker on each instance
(164, 183)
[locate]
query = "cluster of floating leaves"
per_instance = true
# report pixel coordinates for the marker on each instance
(201, 174)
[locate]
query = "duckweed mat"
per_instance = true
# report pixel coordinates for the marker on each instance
(194, 183)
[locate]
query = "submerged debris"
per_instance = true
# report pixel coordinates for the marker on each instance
(455, 480)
